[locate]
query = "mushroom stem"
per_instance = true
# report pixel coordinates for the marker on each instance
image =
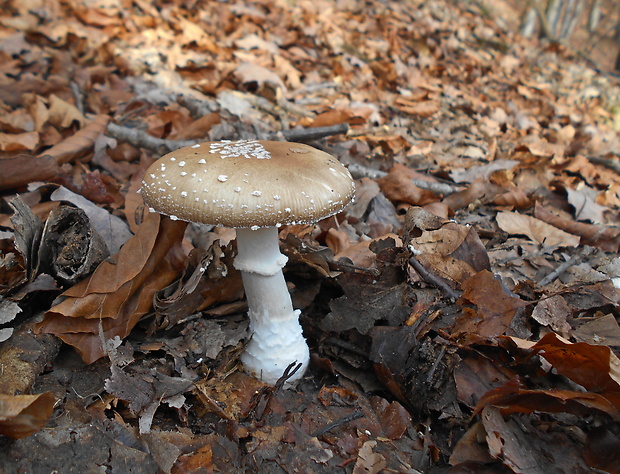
(277, 338)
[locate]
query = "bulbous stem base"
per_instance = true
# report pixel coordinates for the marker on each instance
(276, 335)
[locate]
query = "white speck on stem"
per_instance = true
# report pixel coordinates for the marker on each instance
(256, 193)
(222, 178)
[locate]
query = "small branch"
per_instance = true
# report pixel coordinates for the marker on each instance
(310, 134)
(361, 171)
(345, 419)
(578, 257)
(141, 139)
(197, 108)
(433, 279)
(295, 109)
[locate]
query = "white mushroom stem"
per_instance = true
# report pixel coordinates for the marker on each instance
(276, 339)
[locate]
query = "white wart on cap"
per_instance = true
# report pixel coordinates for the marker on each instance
(248, 183)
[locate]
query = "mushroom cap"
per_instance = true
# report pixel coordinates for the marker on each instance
(248, 183)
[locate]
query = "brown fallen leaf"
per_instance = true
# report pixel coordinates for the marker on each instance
(423, 108)
(205, 282)
(448, 250)
(594, 367)
(553, 312)
(19, 141)
(476, 374)
(515, 198)
(332, 117)
(513, 397)
(23, 415)
(62, 114)
(604, 237)
(520, 446)
(399, 188)
(477, 191)
(120, 291)
(494, 307)
(370, 297)
(78, 144)
(602, 450)
(539, 231)
(369, 462)
(20, 170)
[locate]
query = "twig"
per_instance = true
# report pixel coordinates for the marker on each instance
(433, 279)
(197, 108)
(295, 109)
(343, 266)
(310, 134)
(431, 373)
(267, 393)
(578, 257)
(77, 93)
(316, 87)
(142, 139)
(345, 419)
(360, 171)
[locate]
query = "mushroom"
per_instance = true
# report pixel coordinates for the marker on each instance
(256, 187)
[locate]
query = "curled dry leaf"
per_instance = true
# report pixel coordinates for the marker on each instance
(120, 291)
(23, 415)
(62, 114)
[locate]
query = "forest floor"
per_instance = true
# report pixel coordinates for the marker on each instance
(462, 313)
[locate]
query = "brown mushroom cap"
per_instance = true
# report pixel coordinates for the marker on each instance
(248, 183)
